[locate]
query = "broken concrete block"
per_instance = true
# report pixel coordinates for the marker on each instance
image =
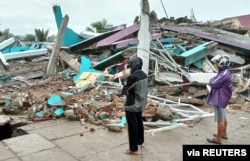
(70, 114)
(7, 101)
(115, 129)
(90, 116)
(59, 111)
(235, 107)
(54, 99)
(151, 108)
(192, 90)
(103, 115)
(4, 119)
(201, 94)
(39, 114)
(240, 100)
(165, 112)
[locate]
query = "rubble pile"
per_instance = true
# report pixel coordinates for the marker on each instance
(83, 81)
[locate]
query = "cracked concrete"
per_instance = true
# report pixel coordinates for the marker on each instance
(61, 139)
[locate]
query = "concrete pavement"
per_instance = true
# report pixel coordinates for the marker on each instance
(61, 139)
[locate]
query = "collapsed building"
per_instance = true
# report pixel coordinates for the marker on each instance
(79, 77)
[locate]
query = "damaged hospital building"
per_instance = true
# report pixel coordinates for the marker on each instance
(79, 77)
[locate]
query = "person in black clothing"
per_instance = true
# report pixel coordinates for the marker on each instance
(136, 90)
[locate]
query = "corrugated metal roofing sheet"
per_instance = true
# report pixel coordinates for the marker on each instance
(244, 20)
(213, 34)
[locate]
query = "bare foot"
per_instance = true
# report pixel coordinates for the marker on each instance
(129, 152)
(143, 145)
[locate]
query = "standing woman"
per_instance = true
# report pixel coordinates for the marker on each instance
(219, 96)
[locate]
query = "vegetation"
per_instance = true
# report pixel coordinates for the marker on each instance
(29, 37)
(5, 34)
(41, 35)
(99, 26)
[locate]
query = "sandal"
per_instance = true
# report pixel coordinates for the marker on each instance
(223, 137)
(129, 152)
(213, 141)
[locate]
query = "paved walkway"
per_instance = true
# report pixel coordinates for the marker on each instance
(61, 139)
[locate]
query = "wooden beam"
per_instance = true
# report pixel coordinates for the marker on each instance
(56, 49)
(73, 63)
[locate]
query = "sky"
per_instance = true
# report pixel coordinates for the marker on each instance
(21, 17)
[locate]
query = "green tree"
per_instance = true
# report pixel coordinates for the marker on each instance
(99, 26)
(5, 34)
(29, 37)
(41, 35)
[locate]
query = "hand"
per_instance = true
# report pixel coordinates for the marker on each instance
(119, 94)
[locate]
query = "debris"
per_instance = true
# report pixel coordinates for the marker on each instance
(82, 80)
(55, 52)
(165, 128)
(114, 129)
(92, 129)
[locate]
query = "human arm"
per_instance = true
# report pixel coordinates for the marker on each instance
(129, 85)
(220, 79)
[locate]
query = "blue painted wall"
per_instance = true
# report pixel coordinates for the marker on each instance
(70, 37)
(86, 66)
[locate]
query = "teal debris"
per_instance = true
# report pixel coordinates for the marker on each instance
(103, 116)
(53, 99)
(86, 66)
(7, 101)
(121, 124)
(84, 87)
(40, 114)
(5, 78)
(199, 52)
(90, 116)
(59, 111)
(70, 37)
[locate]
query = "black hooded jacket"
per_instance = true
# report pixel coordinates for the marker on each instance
(136, 88)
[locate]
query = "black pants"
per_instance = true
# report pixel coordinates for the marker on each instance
(135, 129)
